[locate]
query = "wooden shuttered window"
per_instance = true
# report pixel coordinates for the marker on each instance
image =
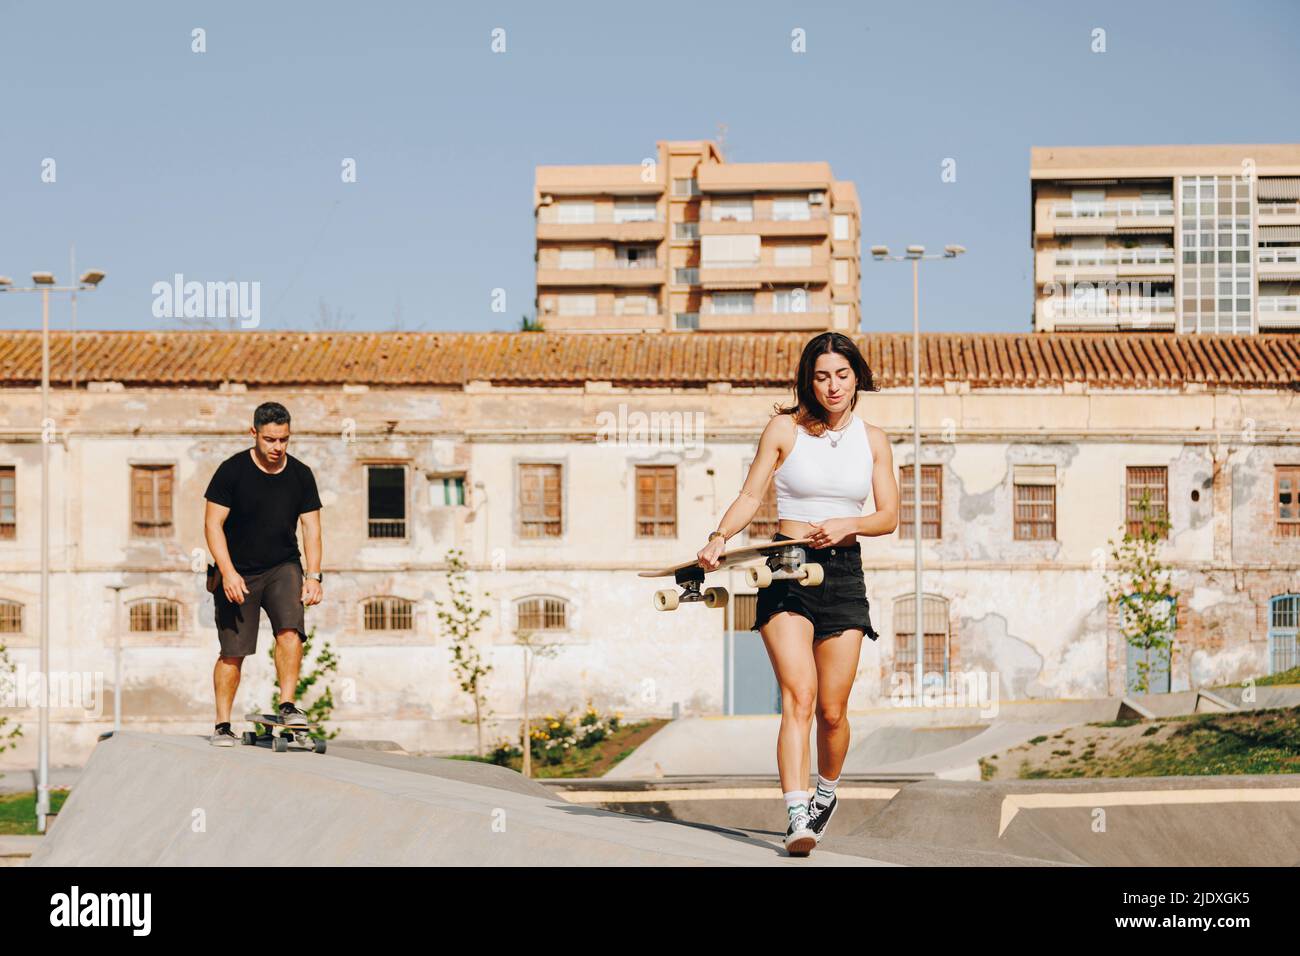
(541, 513)
(8, 503)
(151, 500)
(656, 501)
(1286, 492)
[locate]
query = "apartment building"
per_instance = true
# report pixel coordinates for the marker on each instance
(561, 464)
(686, 241)
(1166, 238)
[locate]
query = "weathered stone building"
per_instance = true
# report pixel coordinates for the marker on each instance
(561, 464)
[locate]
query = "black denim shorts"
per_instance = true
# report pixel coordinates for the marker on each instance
(278, 590)
(839, 603)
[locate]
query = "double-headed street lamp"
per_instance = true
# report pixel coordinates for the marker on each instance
(916, 254)
(43, 282)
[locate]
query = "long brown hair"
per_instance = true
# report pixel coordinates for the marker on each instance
(807, 410)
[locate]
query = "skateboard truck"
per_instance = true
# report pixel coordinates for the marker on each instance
(690, 580)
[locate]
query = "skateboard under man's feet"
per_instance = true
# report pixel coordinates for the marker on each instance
(689, 575)
(296, 734)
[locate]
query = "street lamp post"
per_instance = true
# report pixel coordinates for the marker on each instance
(43, 282)
(916, 254)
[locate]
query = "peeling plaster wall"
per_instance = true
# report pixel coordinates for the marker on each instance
(1032, 611)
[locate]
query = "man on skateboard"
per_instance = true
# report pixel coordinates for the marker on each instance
(254, 503)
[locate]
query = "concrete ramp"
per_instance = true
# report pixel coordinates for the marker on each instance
(146, 800)
(1135, 821)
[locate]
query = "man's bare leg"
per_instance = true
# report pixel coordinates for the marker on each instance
(288, 663)
(225, 682)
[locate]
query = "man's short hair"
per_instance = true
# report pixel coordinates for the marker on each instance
(270, 413)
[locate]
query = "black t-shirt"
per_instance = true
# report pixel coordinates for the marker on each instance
(262, 524)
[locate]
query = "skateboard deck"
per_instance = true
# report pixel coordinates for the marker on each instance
(296, 734)
(750, 552)
(689, 575)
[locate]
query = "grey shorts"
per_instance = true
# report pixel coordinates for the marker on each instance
(278, 590)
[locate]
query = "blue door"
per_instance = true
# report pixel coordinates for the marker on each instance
(750, 683)
(1157, 660)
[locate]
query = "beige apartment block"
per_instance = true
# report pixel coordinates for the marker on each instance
(559, 465)
(685, 241)
(1166, 238)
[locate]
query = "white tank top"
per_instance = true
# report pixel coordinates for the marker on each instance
(818, 481)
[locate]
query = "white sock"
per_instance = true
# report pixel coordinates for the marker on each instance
(825, 790)
(796, 802)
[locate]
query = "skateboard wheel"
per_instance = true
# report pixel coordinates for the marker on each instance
(249, 738)
(715, 597)
(813, 575)
(666, 600)
(319, 745)
(758, 577)
(280, 744)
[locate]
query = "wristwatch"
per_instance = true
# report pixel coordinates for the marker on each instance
(315, 576)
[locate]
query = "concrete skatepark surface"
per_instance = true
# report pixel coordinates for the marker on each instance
(147, 800)
(943, 742)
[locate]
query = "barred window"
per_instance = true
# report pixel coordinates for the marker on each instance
(388, 614)
(386, 501)
(154, 615)
(656, 501)
(1035, 502)
(1153, 482)
(11, 617)
(931, 502)
(934, 620)
(542, 614)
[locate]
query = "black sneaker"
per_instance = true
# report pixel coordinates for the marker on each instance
(819, 817)
(799, 838)
(292, 716)
(223, 737)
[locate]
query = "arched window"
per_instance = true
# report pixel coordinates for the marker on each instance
(388, 614)
(11, 617)
(934, 623)
(541, 613)
(1283, 626)
(154, 615)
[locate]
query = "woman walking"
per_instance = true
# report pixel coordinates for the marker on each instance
(826, 462)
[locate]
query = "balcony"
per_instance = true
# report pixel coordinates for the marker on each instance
(1122, 312)
(602, 322)
(608, 224)
(1279, 313)
(1278, 264)
(813, 318)
(1064, 265)
(1067, 217)
(1278, 213)
(642, 273)
(818, 223)
(720, 274)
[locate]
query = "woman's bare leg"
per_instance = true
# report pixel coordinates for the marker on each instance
(836, 660)
(788, 638)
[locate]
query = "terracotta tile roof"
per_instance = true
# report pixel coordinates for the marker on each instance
(449, 359)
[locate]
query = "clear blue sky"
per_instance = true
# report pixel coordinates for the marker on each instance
(225, 165)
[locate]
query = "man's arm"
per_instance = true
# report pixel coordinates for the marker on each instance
(214, 532)
(311, 546)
